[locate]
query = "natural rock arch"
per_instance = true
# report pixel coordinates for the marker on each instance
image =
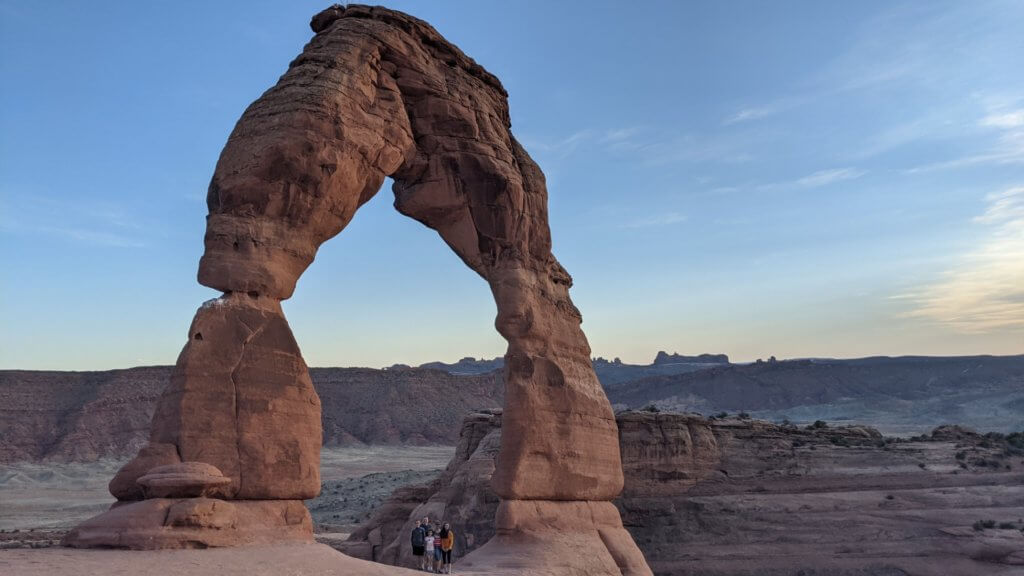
(377, 93)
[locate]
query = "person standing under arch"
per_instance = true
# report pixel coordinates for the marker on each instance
(447, 537)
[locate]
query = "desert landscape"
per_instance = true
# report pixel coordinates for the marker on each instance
(823, 183)
(721, 493)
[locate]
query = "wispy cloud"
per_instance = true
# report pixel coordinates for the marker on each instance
(648, 146)
(826, 177)
(96, 237)
(748, 114)
(1004, 120)
(984, 291)
(561, 147)
(1007, 149)
(1006, 206)
(664, 219)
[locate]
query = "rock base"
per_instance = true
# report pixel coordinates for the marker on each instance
(175, 523)
(544, 537)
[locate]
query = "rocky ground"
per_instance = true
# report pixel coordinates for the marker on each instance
(344, 504)
(732, 496)
(40, 502)
(723, 496)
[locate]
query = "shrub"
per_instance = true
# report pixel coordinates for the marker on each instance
(1006, 526)
(1016, 440)
(744, 416)
(650, 408)
(983, 524)
(818, 425)
(961, 455)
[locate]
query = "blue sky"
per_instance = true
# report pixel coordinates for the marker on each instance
(756, 178)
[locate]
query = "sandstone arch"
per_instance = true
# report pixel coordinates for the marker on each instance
(378, 93)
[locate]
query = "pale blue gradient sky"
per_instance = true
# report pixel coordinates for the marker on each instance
(755, 178)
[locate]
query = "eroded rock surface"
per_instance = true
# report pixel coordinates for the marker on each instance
(183, 480)
(377, 93)
(732, 497)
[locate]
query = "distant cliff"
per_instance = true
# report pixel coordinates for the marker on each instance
(904, 395)
(83, 416)
(666, 358)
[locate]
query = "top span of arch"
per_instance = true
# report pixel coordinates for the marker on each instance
(375, 93)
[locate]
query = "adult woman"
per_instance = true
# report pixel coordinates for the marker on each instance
(447, 543)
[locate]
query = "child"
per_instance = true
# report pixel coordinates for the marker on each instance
(429, 547)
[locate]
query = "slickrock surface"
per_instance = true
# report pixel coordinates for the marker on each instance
(263, 560)
(271, 560)
(746, 497)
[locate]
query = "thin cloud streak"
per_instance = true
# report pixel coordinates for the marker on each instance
(826, 177)
(1007, 120)
(748, 114)
(984, 292)
(102, 225)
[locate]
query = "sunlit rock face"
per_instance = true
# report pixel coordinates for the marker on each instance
(378, 93)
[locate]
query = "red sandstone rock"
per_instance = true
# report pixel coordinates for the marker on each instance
(194, 523)
(125, 486)
(241, 400)
(184, 480)
(377, 93)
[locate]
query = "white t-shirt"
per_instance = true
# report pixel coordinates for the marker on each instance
(430, 542)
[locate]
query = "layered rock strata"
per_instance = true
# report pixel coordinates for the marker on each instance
(377, 93)
(733, 496)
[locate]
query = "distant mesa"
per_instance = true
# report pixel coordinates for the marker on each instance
(468, 365)
(666, 358)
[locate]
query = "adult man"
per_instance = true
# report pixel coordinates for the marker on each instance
(419, 534)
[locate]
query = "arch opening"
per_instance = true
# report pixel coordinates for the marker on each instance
(378, 93)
